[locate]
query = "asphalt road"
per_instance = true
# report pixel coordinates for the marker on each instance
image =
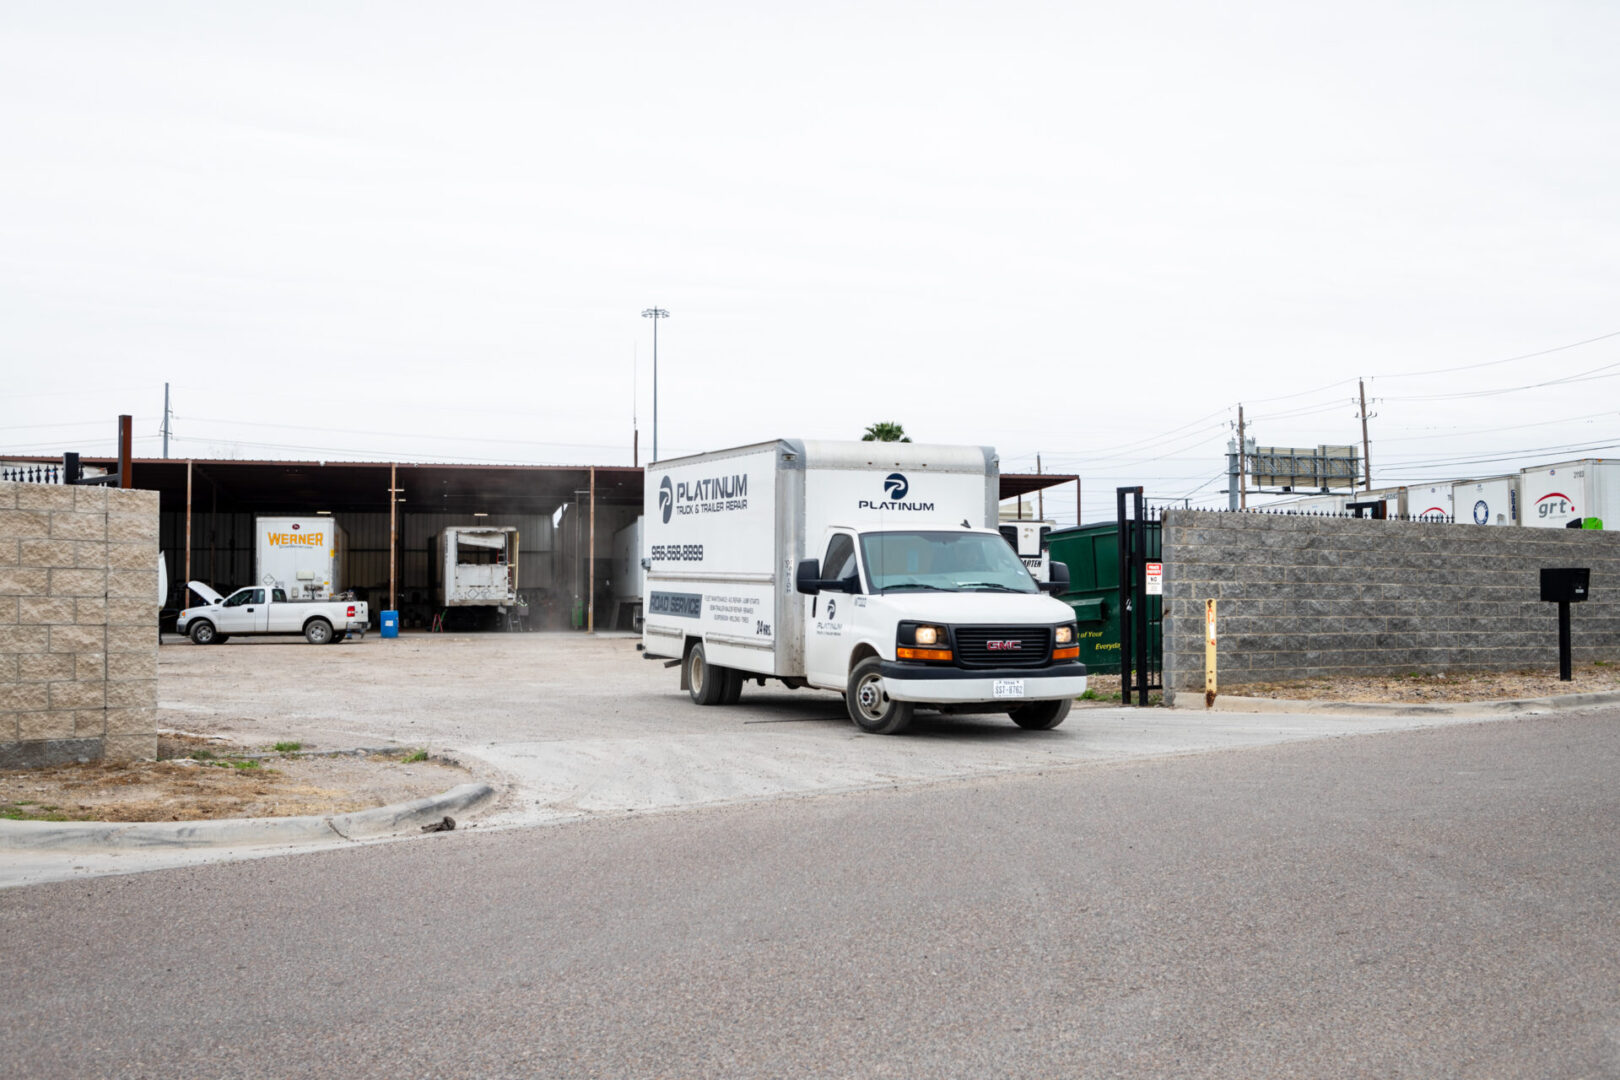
(1428, 903)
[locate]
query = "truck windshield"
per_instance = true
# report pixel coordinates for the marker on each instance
(945, 561)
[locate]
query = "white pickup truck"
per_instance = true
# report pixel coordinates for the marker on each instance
(262, 609)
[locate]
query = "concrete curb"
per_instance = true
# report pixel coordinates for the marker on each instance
(1229, 704)
(239, 832)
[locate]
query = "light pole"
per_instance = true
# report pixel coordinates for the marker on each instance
(655, 313)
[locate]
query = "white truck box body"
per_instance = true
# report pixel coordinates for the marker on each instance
(478, 566)
(302, 555)
(1555, 495)
(726, 531)
(1491, 501)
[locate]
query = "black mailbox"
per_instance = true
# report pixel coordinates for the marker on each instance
(1565, 584)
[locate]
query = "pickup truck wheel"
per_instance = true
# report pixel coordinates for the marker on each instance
(1041, 715)
(318, 632)
(733, 688)
(706, 682)
(870, 708)
(202, 632)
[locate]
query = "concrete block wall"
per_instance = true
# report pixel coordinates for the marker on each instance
(1300, 597)
(78, 624)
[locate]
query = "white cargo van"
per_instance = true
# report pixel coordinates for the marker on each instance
(871, 569)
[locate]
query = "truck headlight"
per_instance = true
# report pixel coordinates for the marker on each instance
(1064, 635)
(923, 641)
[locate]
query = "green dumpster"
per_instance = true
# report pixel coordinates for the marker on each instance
(1091, 553)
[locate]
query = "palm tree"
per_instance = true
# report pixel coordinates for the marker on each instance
(885, 432)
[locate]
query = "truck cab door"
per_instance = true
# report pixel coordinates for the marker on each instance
(243, 612)
(830, 617)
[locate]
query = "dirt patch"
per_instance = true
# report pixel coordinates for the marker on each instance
(197, 778)
(1411, 689)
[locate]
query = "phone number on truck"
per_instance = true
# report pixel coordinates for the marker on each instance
(677, 552)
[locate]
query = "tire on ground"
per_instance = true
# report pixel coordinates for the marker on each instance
(733, 689)
(871, 709)
(317, 631)
(1041, 715)
(202, 632)
(704, 681)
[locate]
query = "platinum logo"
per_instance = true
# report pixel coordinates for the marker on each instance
(666, 499)
(896, 487)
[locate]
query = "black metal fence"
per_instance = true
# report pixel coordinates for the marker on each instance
(31, 474)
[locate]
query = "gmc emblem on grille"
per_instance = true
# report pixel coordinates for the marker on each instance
(1004, 646)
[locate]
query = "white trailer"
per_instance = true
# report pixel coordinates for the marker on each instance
(1314, 504)
(871, 569)
(627, 581)
(478, 566)
(1554, 496)
(1491, 501)
(303, 556)
(1430, 502)
(1028, 538)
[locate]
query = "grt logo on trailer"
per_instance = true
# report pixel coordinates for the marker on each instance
(1555, 504)
(666, 499)
(896, 487)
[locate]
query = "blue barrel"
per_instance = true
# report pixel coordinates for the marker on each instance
(390, 624)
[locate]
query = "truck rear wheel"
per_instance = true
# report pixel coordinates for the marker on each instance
(202, 632)
(1041, 715)
(317, 631)
(706, 682)
(870, 708)
(733, 689)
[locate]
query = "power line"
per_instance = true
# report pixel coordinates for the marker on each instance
(1507, 360)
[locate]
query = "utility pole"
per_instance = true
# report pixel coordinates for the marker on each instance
(165, 421)
(1243, 470)
(1366, 446)
(1040, 493)
(655, 313)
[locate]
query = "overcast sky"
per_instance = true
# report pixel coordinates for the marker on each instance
(1084, 230)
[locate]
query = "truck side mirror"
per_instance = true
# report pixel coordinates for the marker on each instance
(808, 578)
(1059, 574)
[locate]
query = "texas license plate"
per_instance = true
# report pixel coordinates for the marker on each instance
(1007, 688)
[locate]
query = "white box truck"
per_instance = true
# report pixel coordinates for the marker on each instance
(1554, 496)
(1492, 501)
(874, 570)
(303, 556)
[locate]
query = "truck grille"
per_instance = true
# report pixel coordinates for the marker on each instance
(1003, 646)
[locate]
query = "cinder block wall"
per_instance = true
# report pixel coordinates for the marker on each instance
(78, 624)
(1300, 597)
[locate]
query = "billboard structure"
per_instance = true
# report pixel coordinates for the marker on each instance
(1293, 468)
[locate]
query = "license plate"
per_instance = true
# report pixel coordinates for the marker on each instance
(1007, 688)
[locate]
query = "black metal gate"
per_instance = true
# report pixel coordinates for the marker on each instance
(1141, 613)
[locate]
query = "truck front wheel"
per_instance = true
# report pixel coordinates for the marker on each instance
(202, 632)
(317, 631)
(870, 708)
(1041, 715)
(706, 682)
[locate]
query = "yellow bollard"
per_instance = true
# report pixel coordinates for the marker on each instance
(1209, 654)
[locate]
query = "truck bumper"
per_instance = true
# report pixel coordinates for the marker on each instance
(916, 682)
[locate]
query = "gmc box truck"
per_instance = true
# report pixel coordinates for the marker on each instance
(874, 570)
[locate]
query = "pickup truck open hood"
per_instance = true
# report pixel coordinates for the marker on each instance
(208, 595)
